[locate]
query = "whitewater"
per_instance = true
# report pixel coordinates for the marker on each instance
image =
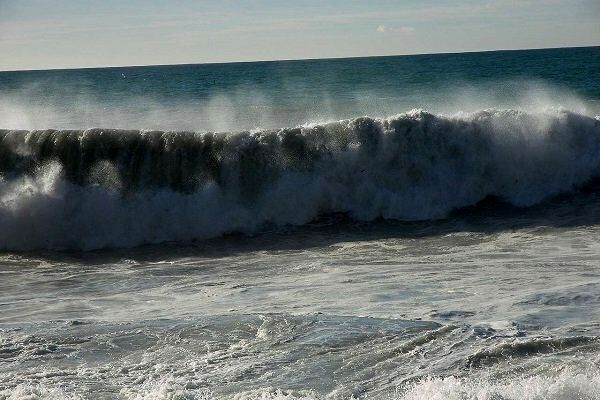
(423, 227)
(109, 188)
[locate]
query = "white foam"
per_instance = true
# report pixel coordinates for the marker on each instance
(566, 385)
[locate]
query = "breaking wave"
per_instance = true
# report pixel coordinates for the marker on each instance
(100, 188)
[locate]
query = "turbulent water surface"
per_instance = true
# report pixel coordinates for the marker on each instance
(421, 227)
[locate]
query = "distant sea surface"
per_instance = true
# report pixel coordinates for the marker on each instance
(410, 227)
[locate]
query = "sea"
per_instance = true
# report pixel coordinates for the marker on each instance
(404, 227)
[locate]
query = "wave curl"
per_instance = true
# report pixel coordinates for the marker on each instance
(114, 188)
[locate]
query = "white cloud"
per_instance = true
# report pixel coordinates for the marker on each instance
(401, 29)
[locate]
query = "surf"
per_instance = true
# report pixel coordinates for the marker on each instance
(96, 188)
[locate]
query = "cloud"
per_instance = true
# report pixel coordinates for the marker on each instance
(401, 29)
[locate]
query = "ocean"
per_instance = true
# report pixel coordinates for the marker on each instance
(406, 227)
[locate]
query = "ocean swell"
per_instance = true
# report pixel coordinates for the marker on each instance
(113, 188)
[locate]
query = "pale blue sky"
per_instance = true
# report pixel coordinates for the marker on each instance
(37, 34)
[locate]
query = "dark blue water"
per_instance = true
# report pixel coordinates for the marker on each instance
(286, 93)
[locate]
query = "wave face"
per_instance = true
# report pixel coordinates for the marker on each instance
(114, 188)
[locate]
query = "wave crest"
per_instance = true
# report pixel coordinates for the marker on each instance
(98, 188)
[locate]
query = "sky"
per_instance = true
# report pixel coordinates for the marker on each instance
(41, 34)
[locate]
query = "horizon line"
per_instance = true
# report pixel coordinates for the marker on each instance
(296, 59)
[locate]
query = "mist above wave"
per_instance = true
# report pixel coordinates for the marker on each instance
(42, 104)
(112, 188)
